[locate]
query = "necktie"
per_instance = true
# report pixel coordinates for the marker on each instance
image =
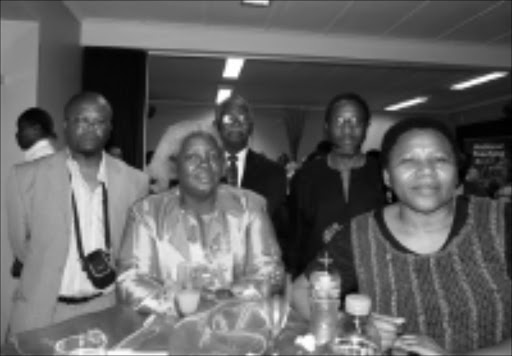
(232, 171)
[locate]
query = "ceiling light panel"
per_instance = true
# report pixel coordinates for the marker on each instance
(260, 3)
(478, 80)
(223, 93)
(407, 103)
(233, 67)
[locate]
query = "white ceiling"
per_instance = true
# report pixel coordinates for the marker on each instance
(420, 35)
(472, 21)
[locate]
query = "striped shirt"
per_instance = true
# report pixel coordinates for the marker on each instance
(460, 296)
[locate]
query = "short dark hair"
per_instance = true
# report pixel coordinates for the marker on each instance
(349, 97)
(86, 96)
(418, 123)
(37, 117)
(235, 100)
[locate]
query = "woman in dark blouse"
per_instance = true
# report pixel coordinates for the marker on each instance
(440, 261)
(328, 191)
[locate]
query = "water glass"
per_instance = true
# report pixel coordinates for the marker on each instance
(188, 294)
(92, 342)
(277, 307)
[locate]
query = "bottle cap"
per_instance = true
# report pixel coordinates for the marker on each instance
(358, 304)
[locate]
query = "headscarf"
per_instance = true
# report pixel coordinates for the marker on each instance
(162, 168)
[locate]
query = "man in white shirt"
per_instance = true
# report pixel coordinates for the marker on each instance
(35, 135)
(66, 208)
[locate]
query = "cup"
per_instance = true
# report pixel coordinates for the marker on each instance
(184, 275)
(187, 300)
(92, 342)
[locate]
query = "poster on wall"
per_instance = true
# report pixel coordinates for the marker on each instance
(490, 164)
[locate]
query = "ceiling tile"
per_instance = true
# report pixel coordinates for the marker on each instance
(436, 17)
(233, 13)
(490, 25)
(306, 15)
(502, 40)
(372, 17)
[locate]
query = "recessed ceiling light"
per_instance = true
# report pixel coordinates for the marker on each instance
(223, 93)
(233, 67)
(478, 80)
(407, 103)
(260, 3)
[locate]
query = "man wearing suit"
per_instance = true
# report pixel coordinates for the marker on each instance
(248, 169)
(77, 197)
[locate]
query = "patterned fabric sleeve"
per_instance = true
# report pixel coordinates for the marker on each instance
(140, 282)
(263, 253)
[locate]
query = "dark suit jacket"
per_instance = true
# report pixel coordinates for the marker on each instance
(268, 178)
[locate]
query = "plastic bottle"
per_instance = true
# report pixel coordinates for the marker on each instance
(356, 335)
(325, 303)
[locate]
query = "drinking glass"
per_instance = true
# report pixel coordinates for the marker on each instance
(188, 294)
(92, 342)
(277, 307)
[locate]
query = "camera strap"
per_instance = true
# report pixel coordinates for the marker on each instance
(106, 222)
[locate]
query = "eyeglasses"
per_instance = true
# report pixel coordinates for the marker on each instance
(84, 123)
(348, 120)
(230, 119)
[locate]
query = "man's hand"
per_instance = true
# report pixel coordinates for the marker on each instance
(417, 344)
(389, 327)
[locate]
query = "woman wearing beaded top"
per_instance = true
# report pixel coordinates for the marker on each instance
(439, 260)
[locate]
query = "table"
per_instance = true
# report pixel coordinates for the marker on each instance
(117, 323)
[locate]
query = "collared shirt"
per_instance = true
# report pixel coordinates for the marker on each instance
(240, 163)
(90, 212)
(39, 149)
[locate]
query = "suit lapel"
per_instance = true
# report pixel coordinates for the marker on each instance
(251, 167)
(61, 186)
(115, 199)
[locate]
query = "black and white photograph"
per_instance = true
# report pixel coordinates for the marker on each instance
(256, 177)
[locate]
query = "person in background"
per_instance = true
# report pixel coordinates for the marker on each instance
(326, 192)
(115, 151)
(290, 167)
(251, 170)
(224, 230)
(471, 181)
(439, 260)
(77, 197)
(35, 134)
(36, 138)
